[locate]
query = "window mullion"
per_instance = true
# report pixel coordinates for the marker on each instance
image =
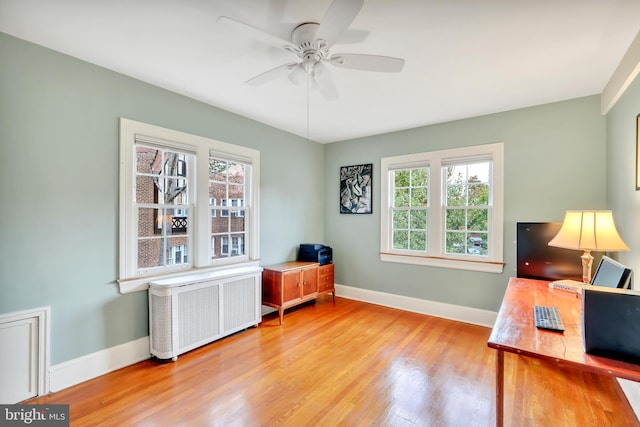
(437, 197)
(202, 215)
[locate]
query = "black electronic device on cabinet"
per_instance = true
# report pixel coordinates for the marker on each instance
(315, 252)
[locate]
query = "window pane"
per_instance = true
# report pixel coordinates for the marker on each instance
(479, 172)
(175, 191)
(400, 219)
(455, 242)
(176, 221)
(457, 195)
(217, 192)
(146, 189)
(418, 220)
(418, 241)
(176, 250)
(236, 173)
(402, 197)
(478, 194)
(419, 197)
(400, 239)
(478, 219)
(148, 160)
(220, 223)
(455, 219)
(217, 170)
(402, 178)
(174, 164)
(456, 174)
(237, 245)
(477, 244)
(419, 177)
(236, 192)
(149, 253)
(147, 225)
(237, 222)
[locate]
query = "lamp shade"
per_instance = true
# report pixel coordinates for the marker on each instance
(589, 230)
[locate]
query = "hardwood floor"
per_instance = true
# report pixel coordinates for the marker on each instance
(348, 364)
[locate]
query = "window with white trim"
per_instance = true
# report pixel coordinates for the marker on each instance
(444, 208)
(173, 187)
(227, 184)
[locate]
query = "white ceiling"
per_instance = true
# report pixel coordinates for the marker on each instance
(464, 58)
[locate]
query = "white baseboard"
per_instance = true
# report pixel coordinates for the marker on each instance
(93, 365)
(474, 316)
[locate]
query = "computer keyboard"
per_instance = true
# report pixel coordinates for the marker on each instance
(547, 318)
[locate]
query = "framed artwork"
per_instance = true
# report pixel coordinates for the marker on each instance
(638, 152)
(355, 189)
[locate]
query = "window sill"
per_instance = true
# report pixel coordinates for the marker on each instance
(482, 266)
(138, 284)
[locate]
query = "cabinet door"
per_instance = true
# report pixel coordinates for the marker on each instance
(290, 285)
(309, 281)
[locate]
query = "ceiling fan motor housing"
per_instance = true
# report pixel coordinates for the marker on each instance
(309, 49)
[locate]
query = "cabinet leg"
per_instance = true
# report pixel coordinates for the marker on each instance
(281, 314)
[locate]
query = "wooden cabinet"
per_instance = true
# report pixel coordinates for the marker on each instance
(291, 283)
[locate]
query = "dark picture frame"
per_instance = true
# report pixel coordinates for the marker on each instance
(356, 189)
(638, 152)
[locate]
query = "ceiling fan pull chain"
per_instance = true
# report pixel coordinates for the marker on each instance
(308, 77)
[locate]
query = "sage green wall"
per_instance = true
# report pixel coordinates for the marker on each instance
(554, 161)
(622, 197)
(59, 171)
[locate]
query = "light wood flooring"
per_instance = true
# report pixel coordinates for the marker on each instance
(348, 364)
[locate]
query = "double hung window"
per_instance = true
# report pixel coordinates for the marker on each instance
(227, 185)
(163, 191)
(444, 208)
(185, 202)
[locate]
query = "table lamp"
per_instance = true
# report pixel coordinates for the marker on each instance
(588, 230)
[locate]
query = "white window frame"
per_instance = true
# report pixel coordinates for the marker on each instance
(130, 278)
(435, 254)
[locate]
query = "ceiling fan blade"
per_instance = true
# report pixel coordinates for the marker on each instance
(386, 64)
(338, 17)
(271, 74)
(324, 83)
(253, 32)
(298, 76)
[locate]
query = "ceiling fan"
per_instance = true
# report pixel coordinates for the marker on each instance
(311, 43)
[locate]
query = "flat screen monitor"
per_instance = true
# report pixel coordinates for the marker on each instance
(537, 260)
(611, 274)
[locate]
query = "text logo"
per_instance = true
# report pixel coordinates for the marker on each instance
(34, 415)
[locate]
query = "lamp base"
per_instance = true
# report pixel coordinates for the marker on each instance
(587, 262)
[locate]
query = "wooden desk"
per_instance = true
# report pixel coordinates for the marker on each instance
(515, 332)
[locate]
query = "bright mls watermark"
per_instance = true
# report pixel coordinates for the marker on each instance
(34, 415)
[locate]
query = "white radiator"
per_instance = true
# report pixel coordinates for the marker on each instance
(189, 311)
